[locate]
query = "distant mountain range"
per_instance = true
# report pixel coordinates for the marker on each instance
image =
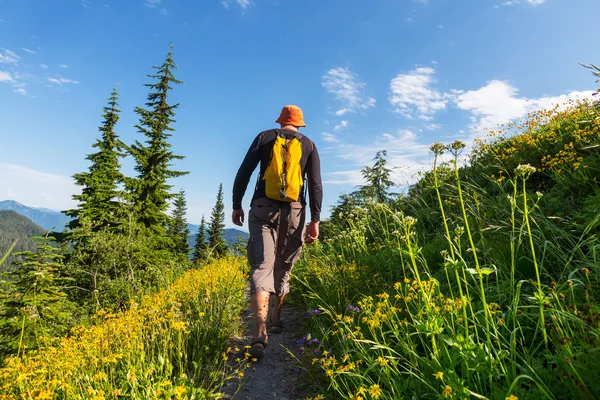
(16, 228)
(54, 220)
(47, 219)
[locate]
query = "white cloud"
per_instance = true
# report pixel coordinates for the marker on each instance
(244, 3)
(530, 3)
(350, 177)
(36, 188)
(63, 66)
(342, 125)
(28, 50)
(20, 90)
(329, 138)
(8, 57)
(498, 102)
(5, 77)
(152, 3)
(413, 93)
(404, 153)
(61, 81)
(43, 66)
(347, 89)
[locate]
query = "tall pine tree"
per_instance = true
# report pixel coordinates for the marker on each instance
(150, 190)
(378, 179)
(98, 200)
(217, 224)
(201, 246)
(178, 229)
(35, 305)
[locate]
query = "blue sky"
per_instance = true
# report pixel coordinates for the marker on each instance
(369, 75)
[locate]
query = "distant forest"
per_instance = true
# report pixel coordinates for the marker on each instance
(16, 228)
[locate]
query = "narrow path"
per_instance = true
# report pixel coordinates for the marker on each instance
(275, 376)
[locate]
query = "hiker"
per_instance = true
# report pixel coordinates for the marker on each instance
(289, 167)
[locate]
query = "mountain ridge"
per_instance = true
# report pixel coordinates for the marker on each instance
(54, 220)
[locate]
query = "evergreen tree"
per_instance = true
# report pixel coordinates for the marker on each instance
(153, 158)
(35, 305)
(98, 200)
(217, 224)
(378, 179)
(201, 247)
(178, 229)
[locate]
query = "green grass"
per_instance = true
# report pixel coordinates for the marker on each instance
(470, 286)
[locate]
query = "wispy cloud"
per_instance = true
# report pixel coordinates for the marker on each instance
(243, 4)
(43, 66)
(348, 90)
(21, 91)
(341, 126)
(8, 57)
(405, 154)
(61, 81)
(5, 77)
(36, 188)
(330, 138)
(63, 66)
(152, 3)
(28, 50)
(529, 3)
(413, 94)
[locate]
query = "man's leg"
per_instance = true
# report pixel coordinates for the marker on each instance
(288, 252)
(260, 309)
(261, 255)
(276, 316)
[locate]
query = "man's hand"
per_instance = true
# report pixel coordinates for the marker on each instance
(312, 232)
(238, 217)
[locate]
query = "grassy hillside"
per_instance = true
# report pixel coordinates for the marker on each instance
(172, 344)
(15, 227)
(482, 282)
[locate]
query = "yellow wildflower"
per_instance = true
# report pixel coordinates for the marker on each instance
(375, 391)
(447, 391)
(512, 397)
(179, 390)
(439, 375)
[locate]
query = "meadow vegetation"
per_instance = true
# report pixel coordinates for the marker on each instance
(482, 281)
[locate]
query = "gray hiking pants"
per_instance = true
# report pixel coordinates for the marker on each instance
(275, 244)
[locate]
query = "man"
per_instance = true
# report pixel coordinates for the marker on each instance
(277, 226)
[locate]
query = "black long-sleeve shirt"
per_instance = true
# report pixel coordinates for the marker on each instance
(260, 151)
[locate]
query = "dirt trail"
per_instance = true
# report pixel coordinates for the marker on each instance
(275, 376)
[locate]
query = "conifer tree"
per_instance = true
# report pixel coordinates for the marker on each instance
(153, 158)
(178, 229)
(201, 246)
(98, 200)
(35, 305)
(217, 224)
(378, 179)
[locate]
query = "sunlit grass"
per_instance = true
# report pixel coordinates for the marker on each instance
(171, 344)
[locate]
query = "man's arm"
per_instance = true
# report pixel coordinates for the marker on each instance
(245, 172)
(315, 186)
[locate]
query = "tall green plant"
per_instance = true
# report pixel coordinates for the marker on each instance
(178, 229)
(150, 190)
(216, 242)
(201, 245)
(35, 304)
(99, 198)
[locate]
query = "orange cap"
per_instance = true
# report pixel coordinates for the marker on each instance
(291, 115)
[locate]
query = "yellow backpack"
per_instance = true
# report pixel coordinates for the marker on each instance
(283, 176)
